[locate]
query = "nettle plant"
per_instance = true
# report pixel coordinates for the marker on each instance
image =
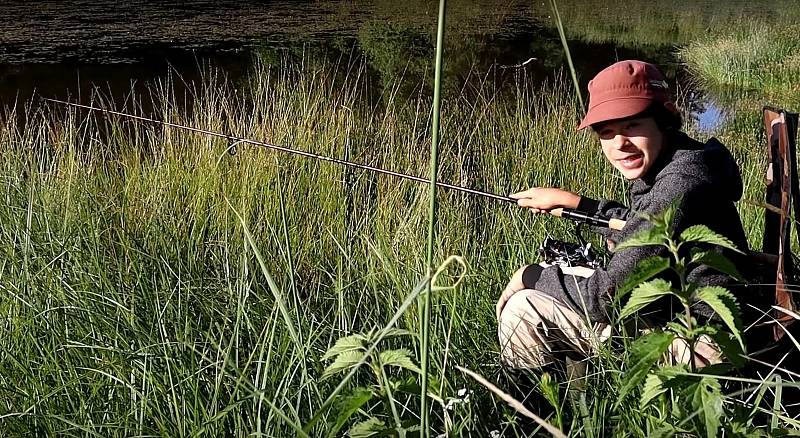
(390, 389)
(351, 351)
(685, 399)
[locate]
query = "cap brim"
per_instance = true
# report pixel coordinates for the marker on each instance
(615, 109)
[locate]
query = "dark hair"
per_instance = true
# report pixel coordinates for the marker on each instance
(665, 119)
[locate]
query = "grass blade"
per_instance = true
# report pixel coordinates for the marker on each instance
(426, 305)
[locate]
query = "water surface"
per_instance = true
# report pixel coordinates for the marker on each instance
(66, 48)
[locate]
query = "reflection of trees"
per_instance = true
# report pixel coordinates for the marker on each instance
(628, 23)
(400, 54)
(464, 17)
(397, 38)
(396, 51)
(404, 50)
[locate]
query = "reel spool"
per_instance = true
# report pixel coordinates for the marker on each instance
(558, 252)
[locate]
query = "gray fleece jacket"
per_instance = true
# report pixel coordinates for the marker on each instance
(706, 179)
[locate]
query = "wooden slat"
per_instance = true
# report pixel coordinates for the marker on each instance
(782, 193)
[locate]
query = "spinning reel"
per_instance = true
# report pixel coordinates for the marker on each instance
(562, 253)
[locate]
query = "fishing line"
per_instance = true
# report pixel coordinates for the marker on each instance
(234, 141)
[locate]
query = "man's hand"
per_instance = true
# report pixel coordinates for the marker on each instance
(544, 199)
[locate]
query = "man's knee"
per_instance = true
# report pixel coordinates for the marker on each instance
(519, 303)
(521, 343)
(534, 326)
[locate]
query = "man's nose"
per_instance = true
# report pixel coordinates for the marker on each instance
(620, 141)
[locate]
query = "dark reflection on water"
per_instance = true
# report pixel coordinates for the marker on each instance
(127, 31)
(64, 48)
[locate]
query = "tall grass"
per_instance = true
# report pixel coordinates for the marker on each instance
(645, 24)
(134, 303)
(760, 59)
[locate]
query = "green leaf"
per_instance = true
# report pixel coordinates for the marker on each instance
(724, 304)
(649, 237)
(717, 262)
(652, 388)
(741, 429)
(395, 332)
(674, 377)
(703, 234)
(344, 361)
(671, 375)
(678, 328)
(348, 405)
(411, 385)
(366, 429)
(549, 389)
(664, 431)
(398, 358)
(724, 340)
(408, 426)
(644, 270)
(644, 353)
(347, 343)
(668, 215)
(664, 220)
(705, 398)
(645, 294)
(695, 332)
(731, 350)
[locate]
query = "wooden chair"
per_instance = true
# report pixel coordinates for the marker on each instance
(774, 339)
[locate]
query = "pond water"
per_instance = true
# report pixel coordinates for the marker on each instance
(65, 48)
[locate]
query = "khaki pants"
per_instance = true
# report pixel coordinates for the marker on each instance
(536, 329)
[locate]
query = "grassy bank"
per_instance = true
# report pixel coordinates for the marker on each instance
(132, 304)
(643, 24)
(759, 64)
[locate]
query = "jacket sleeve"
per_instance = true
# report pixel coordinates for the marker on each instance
(605, 208)
(593, 295)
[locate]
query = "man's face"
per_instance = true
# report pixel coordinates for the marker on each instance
(631, 145)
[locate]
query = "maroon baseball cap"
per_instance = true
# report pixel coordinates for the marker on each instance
(623, 90)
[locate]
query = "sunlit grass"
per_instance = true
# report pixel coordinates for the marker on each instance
(132, 303)
(647, 24)
(759, 59)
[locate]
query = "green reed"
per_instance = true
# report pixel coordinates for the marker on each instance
(434, 170)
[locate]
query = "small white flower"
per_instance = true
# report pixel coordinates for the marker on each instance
(463, 397)
(494, 434)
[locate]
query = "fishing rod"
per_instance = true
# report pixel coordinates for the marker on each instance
(568, 213)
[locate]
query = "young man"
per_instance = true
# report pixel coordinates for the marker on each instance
(543, 311)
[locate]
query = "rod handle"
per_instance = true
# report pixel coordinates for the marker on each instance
(612, 223)
(616, 224)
